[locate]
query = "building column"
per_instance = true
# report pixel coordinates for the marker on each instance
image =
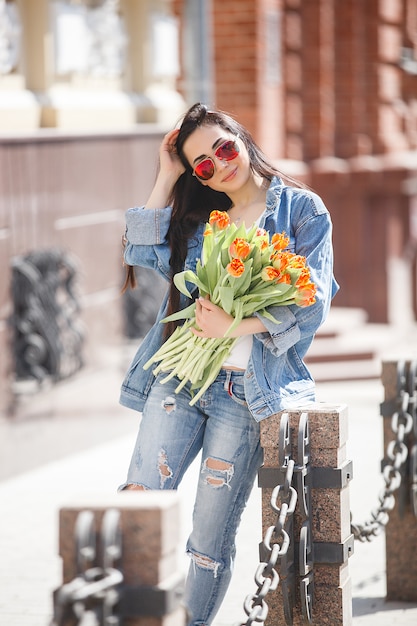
(19, 108)
(88, 65)
(153, 59)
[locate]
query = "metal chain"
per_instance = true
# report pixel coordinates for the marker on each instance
(283, 502)
(90, 597)
(412, 409)
(306, 547)
(402, 423)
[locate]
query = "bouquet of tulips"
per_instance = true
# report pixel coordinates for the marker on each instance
(242, 271)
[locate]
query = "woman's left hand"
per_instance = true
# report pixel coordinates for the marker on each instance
(212, 319)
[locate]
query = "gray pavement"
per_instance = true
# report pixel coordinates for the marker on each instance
(86, 451)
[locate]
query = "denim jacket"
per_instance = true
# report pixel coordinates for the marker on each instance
(276, 377)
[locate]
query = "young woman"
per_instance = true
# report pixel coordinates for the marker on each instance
(211, 162)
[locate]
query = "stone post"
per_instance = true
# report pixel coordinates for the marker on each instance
(150, 528)
(330, 513)
(401, 530)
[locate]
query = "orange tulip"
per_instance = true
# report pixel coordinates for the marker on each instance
(239, 248)
(236, 268)
(304, 278)
(284, 278)
(306, 295)
(208, 231)
(281, 261)
(297, 261)
(220, 219)
(280, 241)
(261, 238)
(269, 273)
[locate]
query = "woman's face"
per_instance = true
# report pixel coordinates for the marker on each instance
(228, 175)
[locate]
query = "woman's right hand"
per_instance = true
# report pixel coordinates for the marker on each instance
(170, 170)
(170, 163)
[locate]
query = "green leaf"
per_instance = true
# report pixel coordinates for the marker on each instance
(240, 232)
(187, 275)
(241, 284)
(208, 243)
(186, 313)
(230, 234)
(226, 295)
(268, 316)
(223, 281)
(255, 255)
(238, 315)
(212, 268)
(225, 256)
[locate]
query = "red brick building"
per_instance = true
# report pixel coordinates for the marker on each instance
(331, 88)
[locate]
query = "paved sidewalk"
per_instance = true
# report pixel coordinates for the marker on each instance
(30, 568)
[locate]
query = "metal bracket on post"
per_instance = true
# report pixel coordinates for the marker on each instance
(321, 477)
(333, 553)
(152, 601)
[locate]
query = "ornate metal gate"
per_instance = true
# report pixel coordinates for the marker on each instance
(47, 334)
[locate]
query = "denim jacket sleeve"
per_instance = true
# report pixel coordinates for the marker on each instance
(147, 245)
(306, 220)
(146, 235)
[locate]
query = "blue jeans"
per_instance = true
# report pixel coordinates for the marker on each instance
(171, 435)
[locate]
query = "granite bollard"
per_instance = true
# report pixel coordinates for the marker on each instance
(332, 541)
(150, 532)
(401, 529)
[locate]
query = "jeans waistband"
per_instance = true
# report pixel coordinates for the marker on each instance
(227, 374)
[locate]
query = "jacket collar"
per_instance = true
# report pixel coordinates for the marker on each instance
(273, 196)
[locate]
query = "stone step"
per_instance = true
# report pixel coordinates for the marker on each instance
(325, 350)
(332, 371)
(347, 347)
(342, 319)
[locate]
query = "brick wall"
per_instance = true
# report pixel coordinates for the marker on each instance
(327, 91)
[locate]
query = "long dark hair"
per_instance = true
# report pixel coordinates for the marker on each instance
(193, 202)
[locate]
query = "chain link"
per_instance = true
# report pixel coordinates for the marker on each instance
(278, 540)
(303, 470)
(403, 422)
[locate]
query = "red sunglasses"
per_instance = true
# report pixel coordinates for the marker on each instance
(227, 151)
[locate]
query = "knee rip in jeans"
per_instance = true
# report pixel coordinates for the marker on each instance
(134, 487)
(204, 562)
(169, 404)
(219, 472)
(165, 471)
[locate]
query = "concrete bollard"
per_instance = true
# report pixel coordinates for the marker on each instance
(332, 541)
(150, 534)
(401, 530)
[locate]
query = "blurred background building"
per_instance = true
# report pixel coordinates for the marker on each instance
(328, 88)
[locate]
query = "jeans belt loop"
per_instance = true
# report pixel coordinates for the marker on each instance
(227, 380)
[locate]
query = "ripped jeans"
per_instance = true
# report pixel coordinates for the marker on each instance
(171, 434)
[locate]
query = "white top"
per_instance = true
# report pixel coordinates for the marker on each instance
(240, 353)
